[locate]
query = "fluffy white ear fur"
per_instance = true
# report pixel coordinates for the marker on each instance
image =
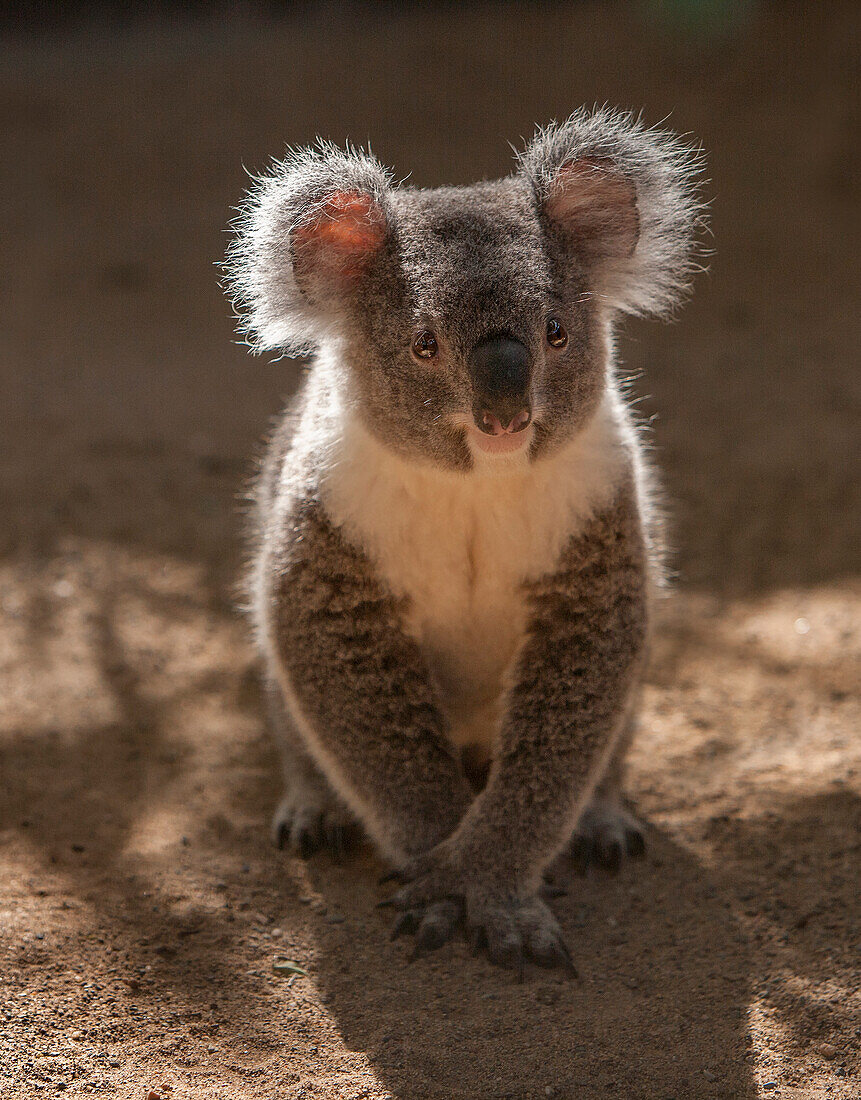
(588, 171)
(303, 228)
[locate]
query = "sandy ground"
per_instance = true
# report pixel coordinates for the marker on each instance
(141, 905)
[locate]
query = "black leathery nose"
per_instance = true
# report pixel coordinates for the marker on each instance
(500, 368)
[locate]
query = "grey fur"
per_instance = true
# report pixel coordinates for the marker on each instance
(363, 730)
(664, 171)
(364, 685)
(577, 672)
(273, 310)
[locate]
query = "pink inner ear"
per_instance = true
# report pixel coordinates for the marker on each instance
(348, 228)
(597, 207)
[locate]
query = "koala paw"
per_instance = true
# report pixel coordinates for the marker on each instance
(515, 930)
(605, 833)
(307, 823)
(436, 900)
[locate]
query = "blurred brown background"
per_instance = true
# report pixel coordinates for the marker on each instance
(141, 905)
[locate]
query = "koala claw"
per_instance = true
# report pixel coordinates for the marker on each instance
(391, 876)
(604, 835)
(308, 829)
(436, 926)
(516, 931)
(407, 923)
(549, 890)
(511, 931)
(635, 843)
(432, 927)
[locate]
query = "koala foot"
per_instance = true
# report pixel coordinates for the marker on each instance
(510, 929)
(307, 823)
(605, 833)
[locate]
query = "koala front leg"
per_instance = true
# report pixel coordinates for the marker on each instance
(567, 705)
(357, 689)
(607, 831)
(310, 814)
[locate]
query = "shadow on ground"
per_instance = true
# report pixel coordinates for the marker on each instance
(674, 953)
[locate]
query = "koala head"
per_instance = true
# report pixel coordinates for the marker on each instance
(471, 321)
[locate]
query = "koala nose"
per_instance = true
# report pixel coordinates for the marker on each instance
(500, 371)
(492, 426)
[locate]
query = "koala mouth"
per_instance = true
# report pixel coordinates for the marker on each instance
(503, 444)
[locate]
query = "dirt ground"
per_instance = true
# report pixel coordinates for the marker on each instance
(141, 905)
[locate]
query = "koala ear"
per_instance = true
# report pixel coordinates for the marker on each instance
(336, 241)
(623, 200)
(306, 232)
(596, 207)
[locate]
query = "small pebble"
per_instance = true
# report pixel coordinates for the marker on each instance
(709, 1076)
(828, 1050)
(335, 918)
(769, 1085)
(211, 1048)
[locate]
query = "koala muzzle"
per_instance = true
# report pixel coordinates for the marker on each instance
(500, 368)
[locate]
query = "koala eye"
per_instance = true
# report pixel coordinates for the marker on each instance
(557, 336)
(425, 345)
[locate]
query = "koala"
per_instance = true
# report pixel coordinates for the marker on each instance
(455, 542)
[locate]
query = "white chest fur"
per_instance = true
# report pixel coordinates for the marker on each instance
(460, 546)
